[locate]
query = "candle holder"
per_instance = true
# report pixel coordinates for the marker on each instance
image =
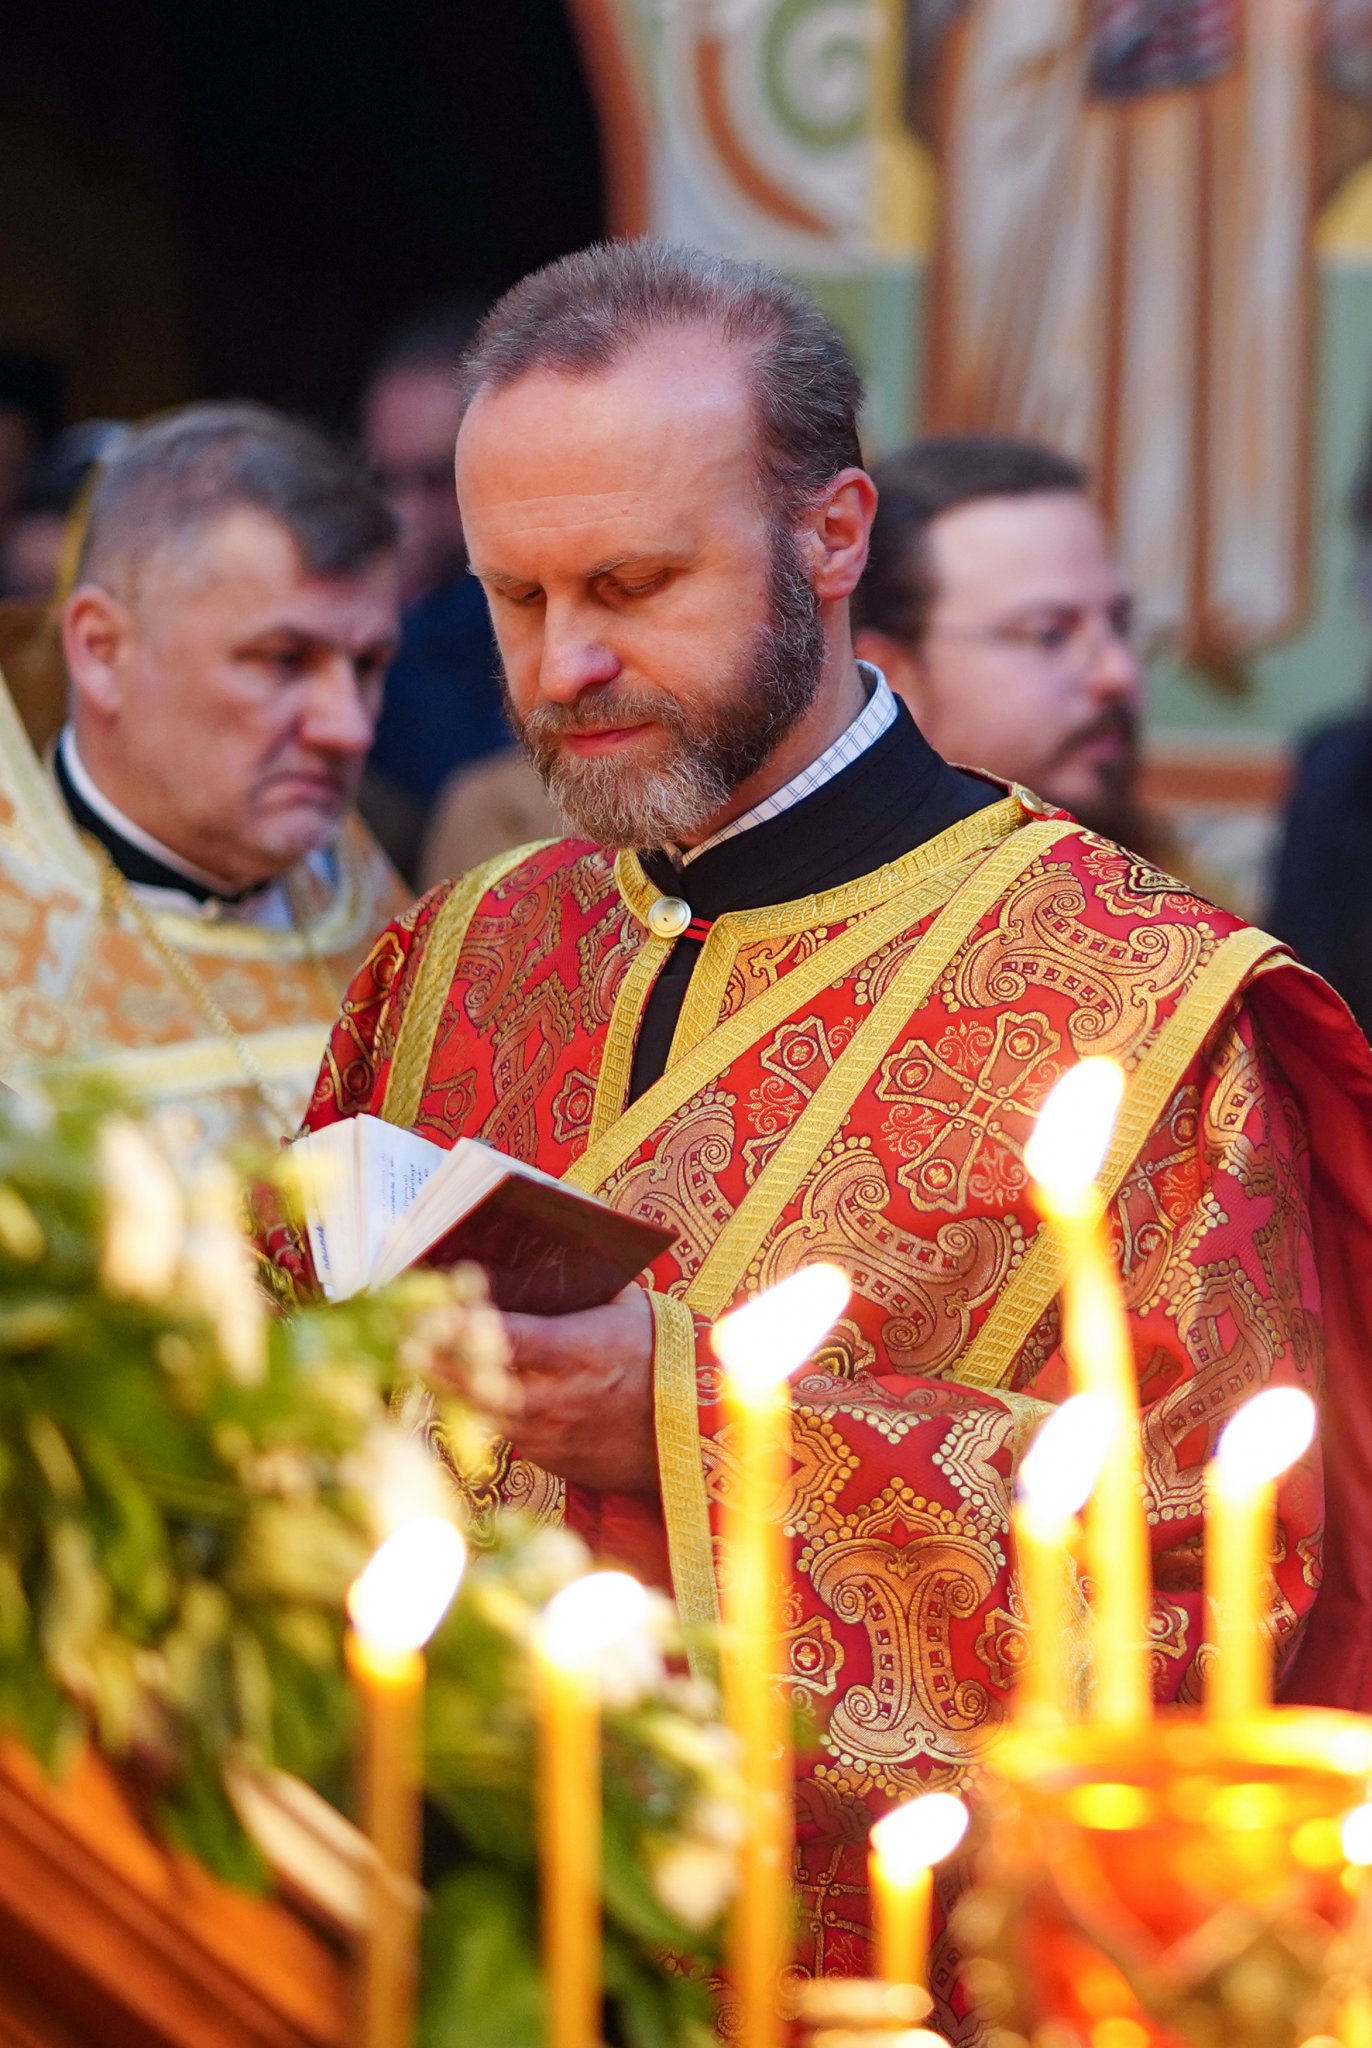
(1180, 1883)
(862, 2012)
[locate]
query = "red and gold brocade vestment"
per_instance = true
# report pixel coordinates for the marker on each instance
(853, 1077)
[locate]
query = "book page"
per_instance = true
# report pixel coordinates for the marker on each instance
(396, 1165)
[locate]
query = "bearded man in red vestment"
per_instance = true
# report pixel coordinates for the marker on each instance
(797, 992)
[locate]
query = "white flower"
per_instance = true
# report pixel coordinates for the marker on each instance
(632, 1671)
(717, 1821)
(694, 1880)
(145, 1214)
(400, 1478)
(216, 1277)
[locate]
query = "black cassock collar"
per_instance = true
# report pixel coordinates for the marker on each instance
(896, 796)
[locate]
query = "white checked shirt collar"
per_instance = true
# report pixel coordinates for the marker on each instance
(871, 722)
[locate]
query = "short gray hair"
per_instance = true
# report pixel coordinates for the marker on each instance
(584, 313)
(166, 481)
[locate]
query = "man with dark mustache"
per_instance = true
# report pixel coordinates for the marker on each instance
(796, 990)
(993, 604)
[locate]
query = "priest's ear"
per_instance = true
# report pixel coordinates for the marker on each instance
(96, 631)
(832, 535)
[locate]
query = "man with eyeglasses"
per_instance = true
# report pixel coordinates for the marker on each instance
(993, 604)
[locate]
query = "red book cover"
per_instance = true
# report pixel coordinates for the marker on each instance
(545, 1250)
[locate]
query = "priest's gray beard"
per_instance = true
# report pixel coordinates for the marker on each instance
(710, 752)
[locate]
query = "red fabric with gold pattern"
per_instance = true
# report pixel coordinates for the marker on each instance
(904, 1622)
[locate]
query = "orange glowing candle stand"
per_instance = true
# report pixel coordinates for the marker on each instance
(1055, 1477)
(905, 1847)
(1191, 1882)
(581, 1626)
(1063, 1157)
(760, 1346)
(395, 1606)
(1266, 1436)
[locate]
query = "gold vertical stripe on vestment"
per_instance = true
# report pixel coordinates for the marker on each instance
(990, 1359)
(738, 1243)
(685, 1502)
(419, 1026)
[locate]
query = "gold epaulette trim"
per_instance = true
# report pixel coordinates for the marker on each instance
(419, 1026)
(991, 1357)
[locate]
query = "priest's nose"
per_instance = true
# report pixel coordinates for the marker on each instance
(572, 659)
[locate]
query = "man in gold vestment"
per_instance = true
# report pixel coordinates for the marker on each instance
(797, 990)
(184, 888)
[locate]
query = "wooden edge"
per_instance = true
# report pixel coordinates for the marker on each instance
(108, 1937)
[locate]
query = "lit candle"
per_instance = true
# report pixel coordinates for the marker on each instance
(580, 1626)
(1266, 1436)
(1064, 1155)
(1055, 1477)
(760, 1346)
(905, 1846)
(395, 1605)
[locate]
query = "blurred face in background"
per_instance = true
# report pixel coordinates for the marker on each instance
(224, 698)
(409, 427)
(1026, 666)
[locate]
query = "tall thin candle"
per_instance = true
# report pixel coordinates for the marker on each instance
(1056, 1475)
(581, 1625)
(395, 1605)
(1063, 1158)
(759, 1346)
(905, 1846)
(1266, 1436)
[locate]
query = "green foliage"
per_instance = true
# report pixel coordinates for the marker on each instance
(186, 1491)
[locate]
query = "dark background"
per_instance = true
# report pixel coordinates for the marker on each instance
(210, 201)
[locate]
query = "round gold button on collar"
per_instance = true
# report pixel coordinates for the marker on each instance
(668, 917)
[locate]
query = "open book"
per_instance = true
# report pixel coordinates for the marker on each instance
(379, 1199)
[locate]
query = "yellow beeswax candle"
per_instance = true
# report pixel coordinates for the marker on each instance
(1056, 1475)
(1265, 1436)
(581, 1627)
(395, 1606)
(904, 1848)
(759, 1346)
(1063, 1157)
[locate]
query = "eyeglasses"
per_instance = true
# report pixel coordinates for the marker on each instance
(1065, 635)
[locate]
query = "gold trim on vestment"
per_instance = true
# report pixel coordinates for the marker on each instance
(414, 1044)
(192, 1066)
(832, 906)
(991, 1357)
(685, 1503)
(729, 1040)
(617, 1060)
(742, 1236)
(331, 930)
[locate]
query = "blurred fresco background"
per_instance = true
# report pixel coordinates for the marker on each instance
(1140, 230)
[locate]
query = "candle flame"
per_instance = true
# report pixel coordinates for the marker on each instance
(397, 1602)
(763, 1343)
(1265, 1436)
(1060, 1469)
(1355, 1836)
(1072, 1133)
(919, 1834)
(593, 1615)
